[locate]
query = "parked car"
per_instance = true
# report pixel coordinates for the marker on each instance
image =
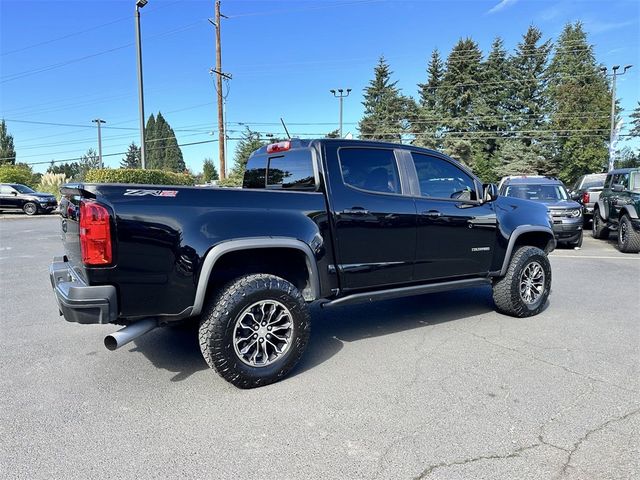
(617, 209)
(330, 221)
(586, 191)
(14, 196)
(551, 192)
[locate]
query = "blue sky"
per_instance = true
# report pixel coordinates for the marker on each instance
(69, 62)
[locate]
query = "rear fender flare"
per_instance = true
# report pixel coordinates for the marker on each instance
(514, 237)
(630, 210)
(602, 209)
(220, 249)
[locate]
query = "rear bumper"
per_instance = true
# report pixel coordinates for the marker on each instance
(79, 302)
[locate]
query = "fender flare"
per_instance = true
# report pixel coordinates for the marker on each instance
(216, 252)
(630, 210)
(514, 236)
(602, 210)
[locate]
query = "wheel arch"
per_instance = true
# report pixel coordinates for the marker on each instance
(216, 255)
(536, 236)
(629, 210)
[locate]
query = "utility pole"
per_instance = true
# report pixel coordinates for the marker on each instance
(143, 158)
(613, 76)
(341, 95)
(99, 121)
(220, 74)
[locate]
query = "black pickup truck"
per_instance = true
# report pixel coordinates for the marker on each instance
(328, 221)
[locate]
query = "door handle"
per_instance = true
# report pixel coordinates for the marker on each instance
(431, 214)
(355, 211)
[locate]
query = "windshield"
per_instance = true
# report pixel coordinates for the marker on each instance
(537, 192)
(594, 181)
(634, 182)
(23, 189)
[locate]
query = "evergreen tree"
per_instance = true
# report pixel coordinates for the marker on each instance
(425, 123)
(461, 100)
(7, 150)
(333, 134)
(580, 100)
(515, 158)
(385, 107)
(635, 122)
(162, 150)
(89, 161)
(70, 170)
(132, 157)
(209, 171)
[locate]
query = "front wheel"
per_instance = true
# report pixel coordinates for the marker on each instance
(30, 208)
(255, 330)
(524, 290)
(598, 227)
(628, 238)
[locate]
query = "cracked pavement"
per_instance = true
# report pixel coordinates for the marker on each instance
(432, 387)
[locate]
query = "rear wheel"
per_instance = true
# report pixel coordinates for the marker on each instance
(30, 208)
(599, 228)
(255, 330)
(628, 238)
(524, 290)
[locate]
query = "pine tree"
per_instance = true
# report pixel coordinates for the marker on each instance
(460, 100)
(7, 150)
(515, 158)
(132, 157)
(209, 171)
(89, 161)
(70, 170)
(151, 154)
(162, 151)
(385, 107)
(580, 101)
(635, 122)
(248, 143)
(425, 123)
(333, 134)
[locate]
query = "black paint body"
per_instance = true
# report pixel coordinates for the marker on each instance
(361, 241)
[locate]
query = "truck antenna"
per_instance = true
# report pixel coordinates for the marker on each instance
(285, 128)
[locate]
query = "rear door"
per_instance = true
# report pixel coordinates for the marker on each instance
(8, 197)
(374, 223)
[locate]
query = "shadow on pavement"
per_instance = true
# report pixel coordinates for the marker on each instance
(176, 349)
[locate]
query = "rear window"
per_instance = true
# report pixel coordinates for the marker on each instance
(291, 170)
(593, 181)
(537, 192)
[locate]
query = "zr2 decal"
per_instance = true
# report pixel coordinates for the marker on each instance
(134, 192)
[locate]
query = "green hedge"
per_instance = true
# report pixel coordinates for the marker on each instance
(136, 175)
(16, 174)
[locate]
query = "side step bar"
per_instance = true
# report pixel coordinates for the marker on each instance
(407, 291)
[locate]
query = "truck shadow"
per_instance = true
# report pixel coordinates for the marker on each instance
(334, 326)
(176, 349)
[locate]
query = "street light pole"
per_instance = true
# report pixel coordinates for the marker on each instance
(614, 75)
(139, 5)
(99, 121)
(340, 95)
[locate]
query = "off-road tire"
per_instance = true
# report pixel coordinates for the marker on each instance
(506, 290)
(599, 227)
(219, 317)
(631, 243)
(30, 208)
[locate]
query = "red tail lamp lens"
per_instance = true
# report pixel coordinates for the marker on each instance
(95, 234)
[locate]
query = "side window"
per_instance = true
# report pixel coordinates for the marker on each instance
(293, 171)
(5, 190)
(623, 179)
(371, 169)
(439, 178)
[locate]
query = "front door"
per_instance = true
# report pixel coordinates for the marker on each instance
(456, 233)
(374, 224)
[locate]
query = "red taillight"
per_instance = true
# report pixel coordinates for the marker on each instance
(95, 234)
(279, 147)
(585, 197)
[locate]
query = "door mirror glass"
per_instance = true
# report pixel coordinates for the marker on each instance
(490, 192)
(617, 187)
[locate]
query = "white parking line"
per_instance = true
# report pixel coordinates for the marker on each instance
(594, 256)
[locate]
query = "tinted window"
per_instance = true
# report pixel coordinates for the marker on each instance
(23, 188)
(370, 169)
(623, 179)
(635, 181)
(439, 178)
(254, 175)
(293, 170)
(537, 192)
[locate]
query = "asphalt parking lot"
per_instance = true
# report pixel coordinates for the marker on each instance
(438, 386)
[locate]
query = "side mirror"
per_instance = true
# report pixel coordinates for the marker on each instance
(490, 192)
(14, 193)
(617, 187)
